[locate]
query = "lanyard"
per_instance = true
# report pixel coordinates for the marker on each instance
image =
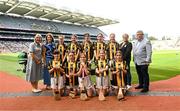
(102, 64)
(73, 47)
(118, 65)
(99, 47)
(112, 50)
(61, 50)
(56, 64)
(120, 82)
(71, 69)
(87, 49)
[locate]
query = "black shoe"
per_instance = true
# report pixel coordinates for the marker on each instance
(144, 90)
(138, 87)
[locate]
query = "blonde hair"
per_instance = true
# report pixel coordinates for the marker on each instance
(37, 35)
(61, 36)
(125, 34)
(100, 34)
(113, 34)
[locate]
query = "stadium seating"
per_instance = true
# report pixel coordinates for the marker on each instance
(12, 22)
(166, 44)
(14, 46)
(17, 32)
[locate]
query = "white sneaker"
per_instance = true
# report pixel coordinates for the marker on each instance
(36, 90)
(128, 87)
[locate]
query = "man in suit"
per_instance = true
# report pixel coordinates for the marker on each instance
(126, 48)
(142, 51)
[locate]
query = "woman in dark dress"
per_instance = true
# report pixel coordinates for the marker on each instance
(49, 48)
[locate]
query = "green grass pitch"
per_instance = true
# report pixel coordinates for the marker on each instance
(165, 64)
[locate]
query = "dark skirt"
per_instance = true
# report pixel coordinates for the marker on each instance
(114, 80)
(75, 81)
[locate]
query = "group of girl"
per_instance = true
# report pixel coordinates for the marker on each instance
(68, 68)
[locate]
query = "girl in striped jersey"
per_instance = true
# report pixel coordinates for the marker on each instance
(57, 73)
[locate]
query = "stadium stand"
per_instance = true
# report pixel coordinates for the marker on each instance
(20, 20)
(19, 23)
(17, 30)
(13, 46)
(173, 44)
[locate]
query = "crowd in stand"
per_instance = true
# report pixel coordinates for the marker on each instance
(13, 46)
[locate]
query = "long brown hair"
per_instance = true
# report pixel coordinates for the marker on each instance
(51, 35)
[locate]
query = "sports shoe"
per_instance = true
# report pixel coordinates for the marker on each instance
(128, 87)
(36, 90)
(48, 88)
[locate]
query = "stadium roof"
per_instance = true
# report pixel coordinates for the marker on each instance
(33, 9)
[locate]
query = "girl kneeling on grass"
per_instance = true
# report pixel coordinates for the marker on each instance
(57, 76)
(84, 78)
(102, 79)
(118, 75)
(71, 76)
